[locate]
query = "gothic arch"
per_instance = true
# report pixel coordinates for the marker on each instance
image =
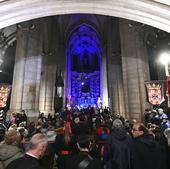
(84, 43)
(145, 11)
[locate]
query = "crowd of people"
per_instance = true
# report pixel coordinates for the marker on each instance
(84, 138)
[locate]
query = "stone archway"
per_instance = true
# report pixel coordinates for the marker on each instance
(151, 12)
(144, 11)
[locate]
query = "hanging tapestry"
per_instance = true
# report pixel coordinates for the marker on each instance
(4, 94)
(155, 92)
(167, 85)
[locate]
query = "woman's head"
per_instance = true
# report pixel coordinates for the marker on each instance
(12, 136)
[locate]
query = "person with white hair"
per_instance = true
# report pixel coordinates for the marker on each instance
(161, 115)
(35, 150)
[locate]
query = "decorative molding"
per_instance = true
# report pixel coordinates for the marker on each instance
(26, 26)
(5, 42)
(1, 1)
(165, 2)
(145, 11)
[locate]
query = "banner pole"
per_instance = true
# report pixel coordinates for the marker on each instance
(167, 89)
(167, 79)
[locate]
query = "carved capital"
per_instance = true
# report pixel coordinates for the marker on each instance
(136, 26)
(26, 27)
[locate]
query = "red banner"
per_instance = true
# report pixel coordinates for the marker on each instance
(4, 94)
(167, 85)
(155, 92)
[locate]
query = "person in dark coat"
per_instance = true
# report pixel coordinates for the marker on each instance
(36, 150)
(147, 153)
(83, 159)
(23, 116)
(167, 144)
(117, 149)
(80, 126)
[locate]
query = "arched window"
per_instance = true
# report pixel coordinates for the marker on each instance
(84, 65)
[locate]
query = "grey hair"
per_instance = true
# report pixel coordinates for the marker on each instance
(117, 123)
(36, 140)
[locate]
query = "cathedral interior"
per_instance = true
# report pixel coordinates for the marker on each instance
(84, 59)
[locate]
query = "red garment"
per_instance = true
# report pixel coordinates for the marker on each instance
(167, 85)
(99, 130)
(69, 126)
(64, 152)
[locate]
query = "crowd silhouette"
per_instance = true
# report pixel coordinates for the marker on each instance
(85, 138)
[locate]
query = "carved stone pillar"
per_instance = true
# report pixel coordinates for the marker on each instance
(19, 68)
(47, 87)
(27, 69)
(115, 83)
(135, 68)
(103, 81)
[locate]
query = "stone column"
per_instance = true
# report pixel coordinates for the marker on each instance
(19, 68)
(47, 87)
(27, 70)
(103, 80)
(135, 68)
(115, 83)
(32, 69)
(53, 59)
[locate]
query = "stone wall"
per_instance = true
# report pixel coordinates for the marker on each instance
(135, 70)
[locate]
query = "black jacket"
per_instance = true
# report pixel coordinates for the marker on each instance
(26, 162)
(117, 150)
(148, 154)
(73, 162)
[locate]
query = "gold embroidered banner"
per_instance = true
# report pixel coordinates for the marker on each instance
(4, 94)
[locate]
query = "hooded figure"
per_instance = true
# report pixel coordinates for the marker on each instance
(117, 150)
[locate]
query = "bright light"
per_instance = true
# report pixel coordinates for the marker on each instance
(165, 58)
(0, 71)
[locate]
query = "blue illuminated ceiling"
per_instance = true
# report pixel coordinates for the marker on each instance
(83, 39)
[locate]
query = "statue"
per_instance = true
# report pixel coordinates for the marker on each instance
(58, 98)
